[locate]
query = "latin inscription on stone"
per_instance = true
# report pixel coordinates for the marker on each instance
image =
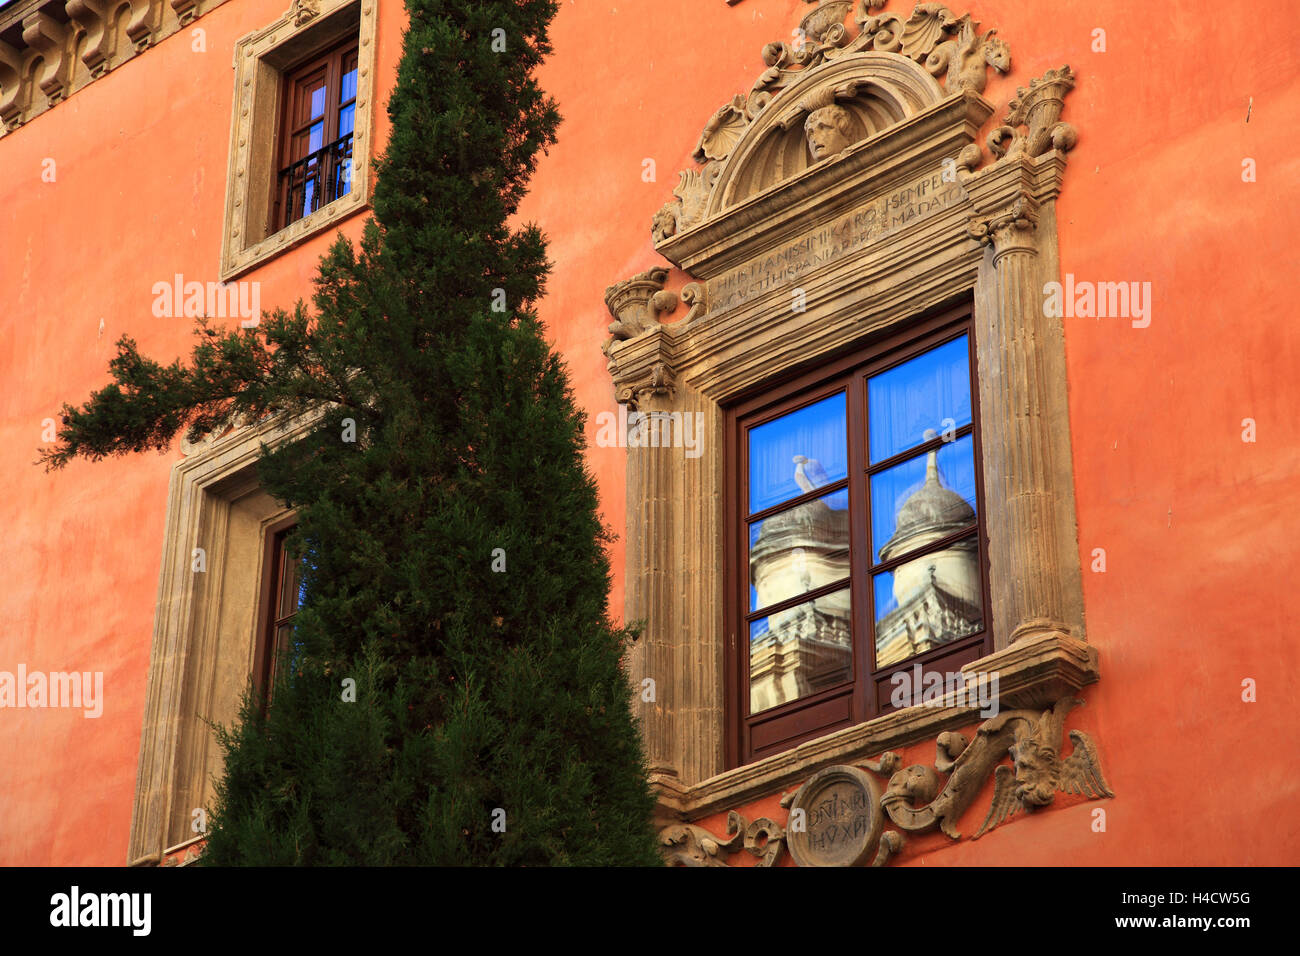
(843, 817)
(838, 238)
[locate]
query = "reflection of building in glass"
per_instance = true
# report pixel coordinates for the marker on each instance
(938, 594)
(808, 647)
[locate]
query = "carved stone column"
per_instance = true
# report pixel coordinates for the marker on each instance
(674, 531)
(1017, 429)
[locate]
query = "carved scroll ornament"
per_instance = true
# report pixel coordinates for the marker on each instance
(836, 816)
(946, 45)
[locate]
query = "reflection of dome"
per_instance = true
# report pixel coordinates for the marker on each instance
(813, 524)
(932, 511)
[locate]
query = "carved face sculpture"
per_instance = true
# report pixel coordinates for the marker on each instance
(1036, 772)
(916, 784)
(828, 130)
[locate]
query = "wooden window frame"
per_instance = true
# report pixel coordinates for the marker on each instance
(268, 617)
(866, 694)
(332, 62)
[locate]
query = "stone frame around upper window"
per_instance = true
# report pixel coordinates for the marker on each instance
(791, 262)
(261, 60)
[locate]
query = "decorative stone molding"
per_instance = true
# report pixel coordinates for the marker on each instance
(883, 75)
(260, 57)
(905, 222)
(843, 809)
(684, 844)
(637, 303)
(205, 633)
(67, 44)
(1033, 741)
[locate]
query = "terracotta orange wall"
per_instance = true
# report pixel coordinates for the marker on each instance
(1196, 524)
(139, 196)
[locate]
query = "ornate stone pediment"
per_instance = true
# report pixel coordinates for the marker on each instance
(833, 89)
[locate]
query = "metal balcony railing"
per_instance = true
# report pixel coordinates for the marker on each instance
(318, 178)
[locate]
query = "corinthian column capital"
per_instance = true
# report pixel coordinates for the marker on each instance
(1008, 228)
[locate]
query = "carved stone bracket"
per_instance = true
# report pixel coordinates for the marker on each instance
(57, 38)
(1032, 739)
(1032, 126)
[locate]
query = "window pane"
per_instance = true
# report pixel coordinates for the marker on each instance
(316, 137)
(798, 453)
(913, 503)
(317, 107)
(799, 550)
(290, 587)
(918, 395)
(933, 600)
(347, 119)
(799, 651)
(349, 89)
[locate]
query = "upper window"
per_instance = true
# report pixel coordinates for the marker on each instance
(858, 537)
(300, 141)
(319, 114)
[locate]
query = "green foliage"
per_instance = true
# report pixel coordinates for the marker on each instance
(474, 690)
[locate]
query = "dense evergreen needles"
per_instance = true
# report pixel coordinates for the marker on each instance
(476, 690)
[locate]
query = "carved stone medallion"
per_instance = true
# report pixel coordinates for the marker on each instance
(842, 819)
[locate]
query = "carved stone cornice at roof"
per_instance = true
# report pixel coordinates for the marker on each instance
(39, 39)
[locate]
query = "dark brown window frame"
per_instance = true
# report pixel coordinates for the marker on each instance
(332, 61)
(866, 694)
(269, 618)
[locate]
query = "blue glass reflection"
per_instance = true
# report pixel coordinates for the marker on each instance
(817, 434)
(937, 512)
(799, 550)
(920, 394)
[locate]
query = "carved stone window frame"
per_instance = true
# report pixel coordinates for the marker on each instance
(206, 639)
(985, 237)
(261, 58)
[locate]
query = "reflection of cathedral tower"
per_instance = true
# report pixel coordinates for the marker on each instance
(807, 647)
(938, 594)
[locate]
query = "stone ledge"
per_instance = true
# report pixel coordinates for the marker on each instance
(1030, 672)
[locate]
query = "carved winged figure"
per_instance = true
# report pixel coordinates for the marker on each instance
(1039, 773)
(1031, 738)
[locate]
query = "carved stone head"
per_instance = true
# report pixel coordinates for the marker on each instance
(828, 130)
(1037, 770)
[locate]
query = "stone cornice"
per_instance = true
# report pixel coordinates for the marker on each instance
(53, 31)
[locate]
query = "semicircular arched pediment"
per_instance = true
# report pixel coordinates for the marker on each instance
(875, 90)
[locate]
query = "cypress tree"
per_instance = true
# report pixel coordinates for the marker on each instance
(492, 721)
